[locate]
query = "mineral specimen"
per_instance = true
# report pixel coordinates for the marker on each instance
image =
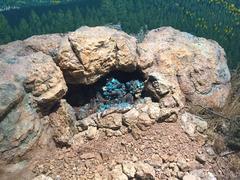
(119, 95)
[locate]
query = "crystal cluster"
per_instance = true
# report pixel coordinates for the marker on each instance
(119, 95)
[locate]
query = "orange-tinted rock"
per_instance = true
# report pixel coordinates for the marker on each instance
(198, 64)
(90, 53)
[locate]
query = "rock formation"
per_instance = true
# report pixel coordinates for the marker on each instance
(196, 65)
(34, 73)
(89, 53)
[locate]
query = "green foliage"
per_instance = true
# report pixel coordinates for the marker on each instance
(24, 3)
(215, 19)
(4, 30)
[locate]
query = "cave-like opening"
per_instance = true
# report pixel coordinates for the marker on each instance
(117, 89)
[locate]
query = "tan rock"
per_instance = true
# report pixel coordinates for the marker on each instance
(89, 53)
(143, 107)
(117, 173)
(88, 121)
(91, 133)
(168, 115)
(158, 85)
(111, 133)
(198, 64)
(144, 121)
(63, 124)
(203, 174)
(129, 169)
(154, 110)
(165, 90)
(144, 171)
(201, 158)
(48, 44)
(183, 164)
(111, 121)
(192, 123)
(131, 117)
(44, 80)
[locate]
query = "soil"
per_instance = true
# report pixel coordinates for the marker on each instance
(162, 143)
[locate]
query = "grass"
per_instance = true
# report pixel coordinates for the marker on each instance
(225, 122)
(224, 125)
(224, 131)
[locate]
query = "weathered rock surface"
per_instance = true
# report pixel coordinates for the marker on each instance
(192, 124)
(198, 65)
(20, 128)
(34, 73)
(63, 123)
(111, 121)
(90, 53)
(10, 96)
(30, 84)
(48, 44)
(44, 80)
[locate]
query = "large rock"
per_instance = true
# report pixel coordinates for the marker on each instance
(90, 53)
(34, 73)
(197, 64)
(30, 83)
(20, 128)
(44, 80)
(48, 44)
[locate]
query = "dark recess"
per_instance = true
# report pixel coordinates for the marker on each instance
(79, 95)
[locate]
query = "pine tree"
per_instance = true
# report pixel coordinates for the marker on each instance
(121, 10)
(4, 30)
(59, 22)
(77, 18)
(109, 11)
(23, 30)
(35, 23)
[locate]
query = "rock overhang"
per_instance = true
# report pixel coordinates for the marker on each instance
(176, 66)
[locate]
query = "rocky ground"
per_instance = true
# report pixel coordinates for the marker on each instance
(159, 136)
(160, 147)
(164, 151)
